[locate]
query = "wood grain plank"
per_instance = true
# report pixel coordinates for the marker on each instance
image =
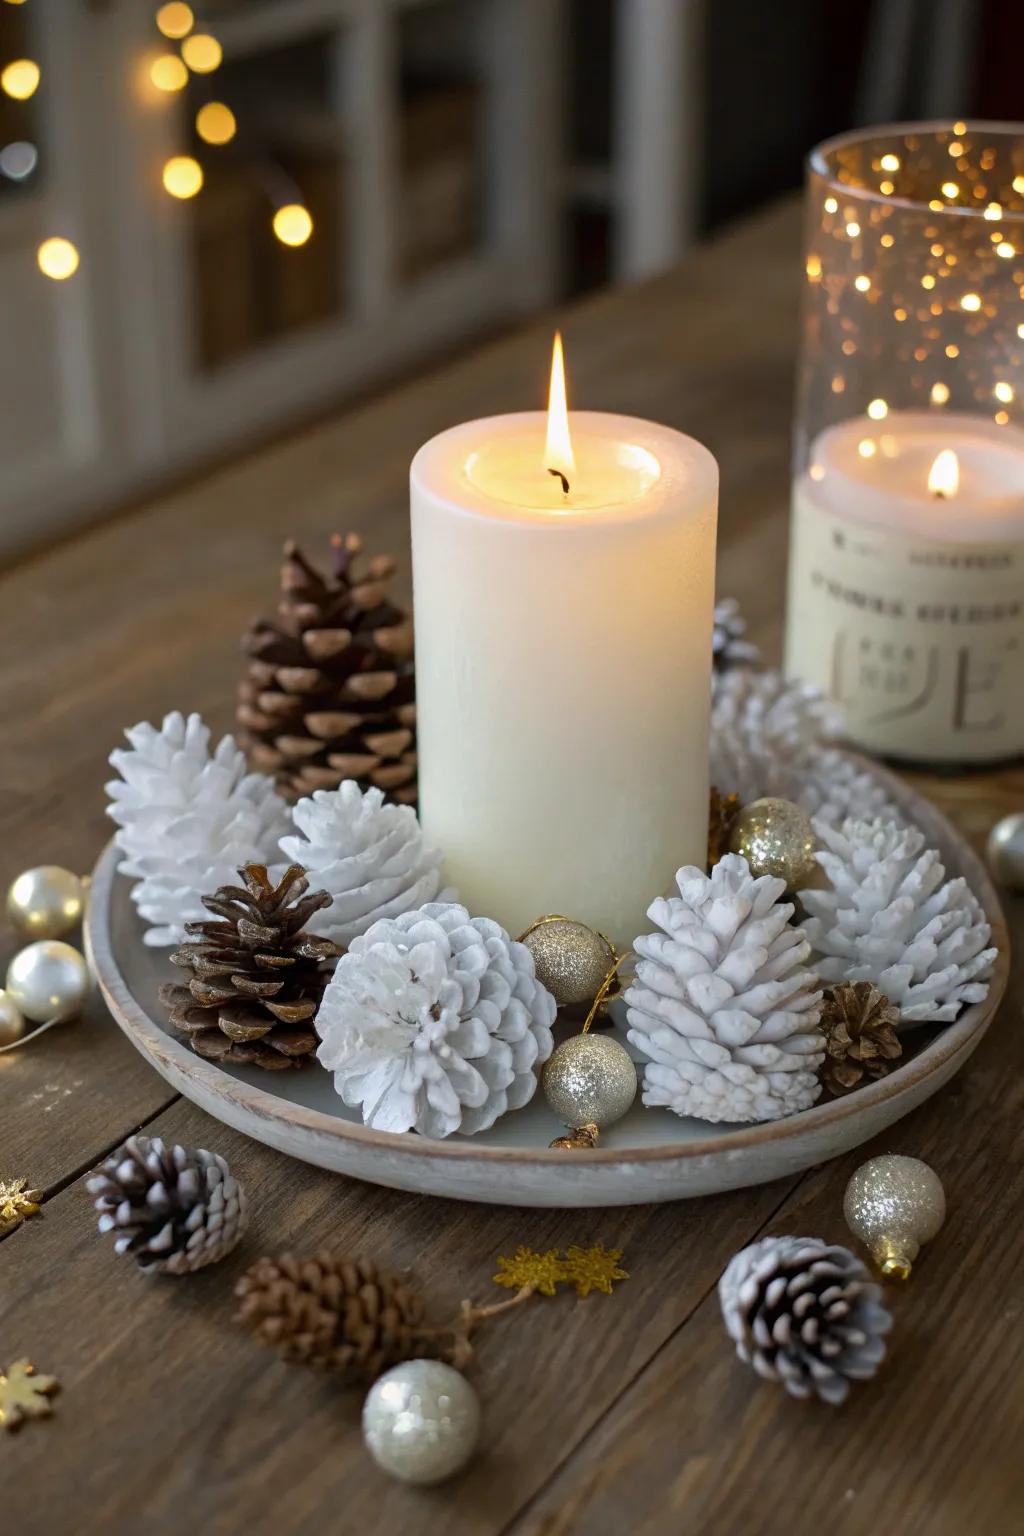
(170, 1418)
(931, 1447)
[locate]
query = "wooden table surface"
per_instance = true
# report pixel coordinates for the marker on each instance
(621, 1415)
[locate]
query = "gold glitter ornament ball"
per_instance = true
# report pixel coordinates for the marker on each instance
(589, 1080)
(776, 838)
(571, 960)
(894, 1204)
(45, 903)
(12, 1020)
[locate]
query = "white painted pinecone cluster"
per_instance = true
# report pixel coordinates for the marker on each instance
(805, 1313)
(770, 736)
(435, 1021)
(891, 917)
(187, 819)
(722, 1006)
(370, 857)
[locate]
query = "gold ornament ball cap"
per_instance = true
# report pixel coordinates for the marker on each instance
(776, 838)
(894, 1204)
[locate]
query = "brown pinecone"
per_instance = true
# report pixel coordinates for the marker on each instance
(331, 690)
(722, 813)
(257, 978)
(337, 1315)
(859, 1023)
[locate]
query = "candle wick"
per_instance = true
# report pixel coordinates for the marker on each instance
(559, 476)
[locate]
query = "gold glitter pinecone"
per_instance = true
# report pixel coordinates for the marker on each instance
(859, 1023)
(345, 1316)
(722, 812)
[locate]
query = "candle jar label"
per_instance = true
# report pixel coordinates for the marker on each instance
(918, 641)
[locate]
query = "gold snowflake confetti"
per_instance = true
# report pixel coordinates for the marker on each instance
(17, 1202)
(540, 1271)
(593, 1269)
(24, 1395)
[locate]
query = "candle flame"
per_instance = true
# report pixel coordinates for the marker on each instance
(944, 475)
(559, 459)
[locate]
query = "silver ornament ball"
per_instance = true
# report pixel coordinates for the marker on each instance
(776, 838)
(421, 1421)
(46, 902)
(571, 960)
(12, 1020)
(589, 1080)
(1006, 851)
(894, 1204)
(48, 981)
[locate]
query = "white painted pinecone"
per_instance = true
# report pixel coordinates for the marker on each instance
(371, 858)
(891, 917)
(729, 646)
(770, 736)
(804, 1313)
(721, 1006)
(187, 820)
(435, 1021)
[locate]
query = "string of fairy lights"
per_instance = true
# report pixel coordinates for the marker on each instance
(186, 51)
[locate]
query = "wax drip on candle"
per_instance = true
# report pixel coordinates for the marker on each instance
(559, 459)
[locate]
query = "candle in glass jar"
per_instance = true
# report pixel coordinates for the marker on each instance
(906, 585)
(564, 590)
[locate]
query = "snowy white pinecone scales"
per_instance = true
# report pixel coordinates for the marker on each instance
(187, 819)
(891, 917)
(435, 1021)
(722, 1007)
(370, 857)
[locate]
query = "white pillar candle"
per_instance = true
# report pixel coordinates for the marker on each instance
(563, 656)
(906, 583)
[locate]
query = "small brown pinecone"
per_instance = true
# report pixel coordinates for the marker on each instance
(804, 1313)
(859, 1024)
(174, 1209)
(334, 1314)
(722, 812)
(331, 690)
(257, 978)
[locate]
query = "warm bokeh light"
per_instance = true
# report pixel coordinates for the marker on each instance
(183, 176)
(1003, 392)
(878, 410)
(202, 53)
(57, 258)
(867, 447)
(20, 79)
(175, 19)
(853, 229)
(994, 211)
(831, 206)
(215, 123)
(168, 73)
(558, 455)
(862, 283)
(293, 224)
(890, 162)
(944, 475)
(971, 302)
(940, 394)
(1005, 250)
(950, 189)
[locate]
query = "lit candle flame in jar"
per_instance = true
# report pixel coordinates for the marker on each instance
(944, 475)
(559, 459)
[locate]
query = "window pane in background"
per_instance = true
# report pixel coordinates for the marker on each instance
(440, 135)
(251, 288)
